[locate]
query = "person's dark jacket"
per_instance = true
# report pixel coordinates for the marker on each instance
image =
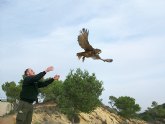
(30, 87)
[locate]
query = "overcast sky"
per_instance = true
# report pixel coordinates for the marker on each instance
(40, 33)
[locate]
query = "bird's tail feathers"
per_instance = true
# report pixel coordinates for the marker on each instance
(79, 55)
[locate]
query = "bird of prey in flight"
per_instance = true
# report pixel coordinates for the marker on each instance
(89, 52)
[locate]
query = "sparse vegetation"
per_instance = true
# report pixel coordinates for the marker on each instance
(80, 92)
(125, 106)
(154, 114)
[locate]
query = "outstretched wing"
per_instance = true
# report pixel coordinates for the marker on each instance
(98, 57)
(83, 40)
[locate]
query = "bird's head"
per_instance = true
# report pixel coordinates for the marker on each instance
(97, 51)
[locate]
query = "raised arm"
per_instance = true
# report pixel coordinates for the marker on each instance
(37, 77)
(47, 82)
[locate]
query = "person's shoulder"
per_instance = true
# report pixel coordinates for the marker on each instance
(28, 77)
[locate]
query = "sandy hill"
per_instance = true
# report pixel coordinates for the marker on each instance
(48, 114)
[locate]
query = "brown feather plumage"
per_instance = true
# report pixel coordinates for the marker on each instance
(89, 52)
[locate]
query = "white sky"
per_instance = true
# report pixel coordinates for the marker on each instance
(39, 33)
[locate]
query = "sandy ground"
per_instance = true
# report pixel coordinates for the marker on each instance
(5, 108)
(47, 114)
(10, 119)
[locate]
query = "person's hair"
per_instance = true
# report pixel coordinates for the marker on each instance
(25, 72)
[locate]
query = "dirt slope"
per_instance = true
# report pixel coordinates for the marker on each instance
(48, 114)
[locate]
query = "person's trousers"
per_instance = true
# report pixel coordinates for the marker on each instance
(24, 113)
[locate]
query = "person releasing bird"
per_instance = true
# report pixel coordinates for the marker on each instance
(89, 52)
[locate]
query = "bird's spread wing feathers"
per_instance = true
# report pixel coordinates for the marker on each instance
(96, 57)
(84, 43)
(83, 40)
